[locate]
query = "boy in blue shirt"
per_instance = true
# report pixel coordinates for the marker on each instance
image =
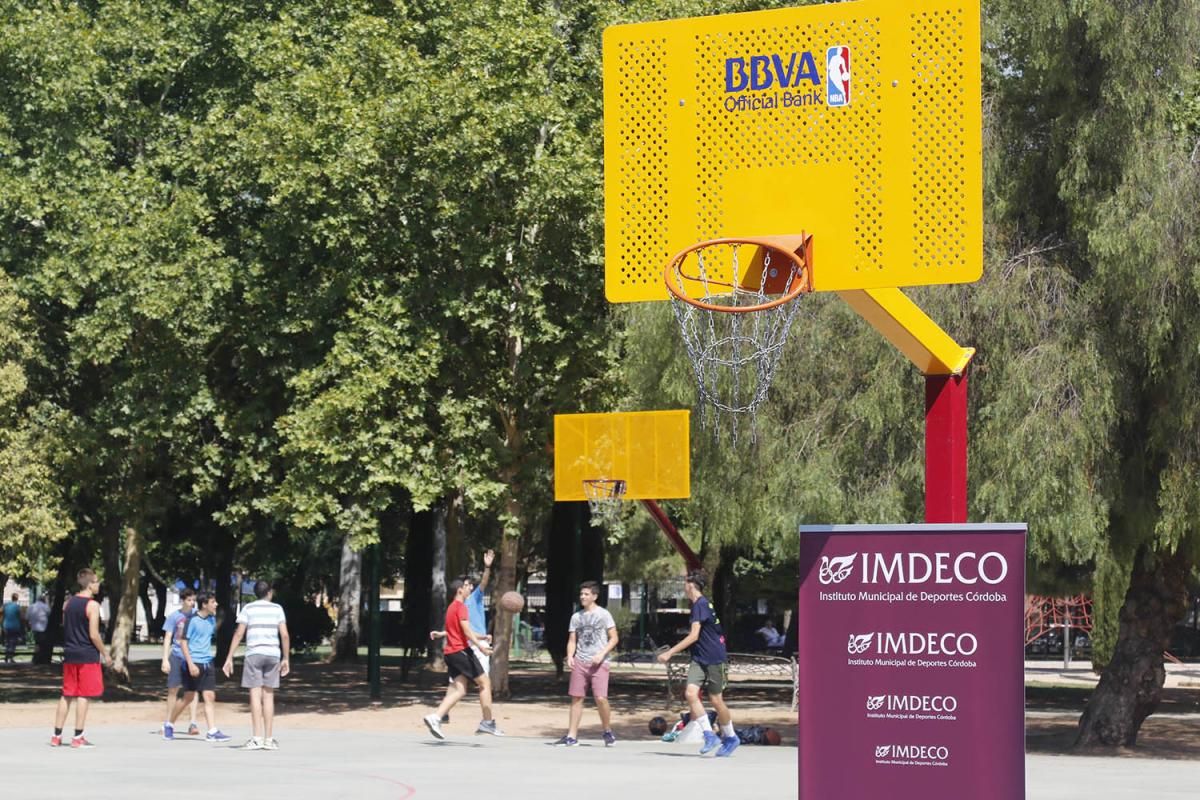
(172, 661)
(708, 669)
(200, 675)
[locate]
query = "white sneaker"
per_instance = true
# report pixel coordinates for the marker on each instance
(434, 723)
(489, 726)
(253, 743)
(271, 744)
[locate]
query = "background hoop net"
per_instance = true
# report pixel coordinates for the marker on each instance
(735, 315)
(604, 497)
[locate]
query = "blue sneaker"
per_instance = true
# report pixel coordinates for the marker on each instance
(168, 731)
(711, 740)
(609, 739)
(728, 745)
(217, 736)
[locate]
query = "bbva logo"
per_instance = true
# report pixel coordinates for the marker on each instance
(766, 71)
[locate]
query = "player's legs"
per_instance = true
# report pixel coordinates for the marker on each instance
(268, 711)
(723, 716)
(692, 695)
(210, 709)
(64, 708)
(81, 711)
(188, 699)
(256, 711)
(575, 716)
(454, 692)
(599, 684)
(172, 696)
(484, 684)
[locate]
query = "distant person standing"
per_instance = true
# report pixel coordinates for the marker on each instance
(83, 652)
(38, 617)
(593, 635)
(708, 670)
(14, 628)
(173, 665)
(200, 677)
(268, 647)
(463, 665)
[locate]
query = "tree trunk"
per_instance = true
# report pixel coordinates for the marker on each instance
(126, 611)
(418, 588)
(1131, 686)
(147, 606)
(567, 521)
(437, 578)
(159, 617)
(55, 597)
(113, 580)
(225, 592)
(349, 622)
(506, 581)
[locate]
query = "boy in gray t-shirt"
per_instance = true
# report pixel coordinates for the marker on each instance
(593, 637)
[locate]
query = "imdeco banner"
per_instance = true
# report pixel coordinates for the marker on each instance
(911, 659)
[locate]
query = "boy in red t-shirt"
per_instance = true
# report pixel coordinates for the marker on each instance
(463, 665)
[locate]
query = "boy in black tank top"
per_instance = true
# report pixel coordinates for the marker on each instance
(83, 652)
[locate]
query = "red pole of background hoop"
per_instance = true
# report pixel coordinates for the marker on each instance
(946, 448)
(664, 523)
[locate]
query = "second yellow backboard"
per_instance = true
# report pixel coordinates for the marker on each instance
(858, 122)
(649, 450)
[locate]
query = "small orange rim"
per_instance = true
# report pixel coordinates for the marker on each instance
(802, 282)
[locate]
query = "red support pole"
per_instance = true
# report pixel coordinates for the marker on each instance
(946, 448)
(664, 523)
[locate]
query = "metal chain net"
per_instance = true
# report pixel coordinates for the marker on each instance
(734, 355)
(604, 497)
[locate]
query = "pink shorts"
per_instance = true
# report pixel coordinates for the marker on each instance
(586, 674)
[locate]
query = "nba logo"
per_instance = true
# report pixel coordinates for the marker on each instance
(837, 76)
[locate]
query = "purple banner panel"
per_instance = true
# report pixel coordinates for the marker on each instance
(911, 658)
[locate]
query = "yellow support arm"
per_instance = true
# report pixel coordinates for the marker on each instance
(907, 327)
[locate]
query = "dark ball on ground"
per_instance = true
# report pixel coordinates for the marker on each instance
(658, 726)
(771, 736)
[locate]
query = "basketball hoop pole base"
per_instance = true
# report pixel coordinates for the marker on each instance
(944, 363)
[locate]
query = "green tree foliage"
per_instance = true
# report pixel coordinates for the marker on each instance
(32, 513)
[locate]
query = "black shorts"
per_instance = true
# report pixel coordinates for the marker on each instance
(464, 663)
(206, 681)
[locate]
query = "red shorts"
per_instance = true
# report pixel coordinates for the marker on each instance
(82, 680)
(586, 674)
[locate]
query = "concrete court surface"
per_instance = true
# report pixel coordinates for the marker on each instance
(323, 765)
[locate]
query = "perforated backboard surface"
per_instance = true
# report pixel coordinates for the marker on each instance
(857, 122)
(649, 450)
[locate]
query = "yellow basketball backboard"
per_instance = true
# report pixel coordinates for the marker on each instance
(649, 450)
(858, 122)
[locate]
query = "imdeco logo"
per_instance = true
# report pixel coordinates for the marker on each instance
(913, 703)
(919, 753)
(836, 570)
(913, 644)
(859, 643)
(914, 569)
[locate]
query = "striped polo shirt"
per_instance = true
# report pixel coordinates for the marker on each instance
(262, 618)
